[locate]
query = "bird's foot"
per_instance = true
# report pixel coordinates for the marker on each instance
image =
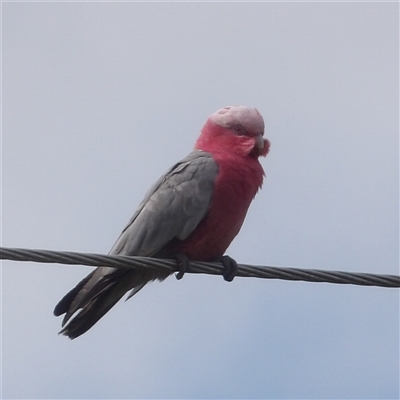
(230, 268)
(183, 265)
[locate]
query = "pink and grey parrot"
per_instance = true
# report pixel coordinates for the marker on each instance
(193, 212)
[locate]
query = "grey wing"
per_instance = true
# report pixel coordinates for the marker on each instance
(172, 208)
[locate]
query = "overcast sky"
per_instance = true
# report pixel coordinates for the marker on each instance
(100, 99)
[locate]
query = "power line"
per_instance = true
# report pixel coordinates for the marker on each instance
(213, 268)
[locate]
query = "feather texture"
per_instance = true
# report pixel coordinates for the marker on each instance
(196, 208)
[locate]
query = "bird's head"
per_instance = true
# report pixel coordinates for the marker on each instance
(234, 129)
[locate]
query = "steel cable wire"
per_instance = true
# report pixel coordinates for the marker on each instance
(213, 268)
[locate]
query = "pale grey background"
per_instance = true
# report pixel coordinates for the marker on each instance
(99, 99)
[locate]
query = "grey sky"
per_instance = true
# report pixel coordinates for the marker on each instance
(99, 99)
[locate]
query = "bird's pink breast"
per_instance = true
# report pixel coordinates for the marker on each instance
(236, 184)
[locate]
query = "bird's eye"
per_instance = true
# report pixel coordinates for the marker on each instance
(239, 130)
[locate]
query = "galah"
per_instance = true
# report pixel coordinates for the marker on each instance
(193, 212)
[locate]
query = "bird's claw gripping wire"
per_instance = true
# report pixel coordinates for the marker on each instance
(183, 265)
(229, 272)
(230, 268)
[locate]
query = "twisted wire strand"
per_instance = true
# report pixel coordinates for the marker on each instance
(213, 268)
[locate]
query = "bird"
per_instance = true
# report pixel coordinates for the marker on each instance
(192, 213)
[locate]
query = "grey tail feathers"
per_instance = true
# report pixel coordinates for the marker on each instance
(65, 303)
(96, 294)
(93, 300)
(89, 315)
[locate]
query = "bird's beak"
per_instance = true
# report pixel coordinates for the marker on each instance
(260, 143)
(261, 146)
